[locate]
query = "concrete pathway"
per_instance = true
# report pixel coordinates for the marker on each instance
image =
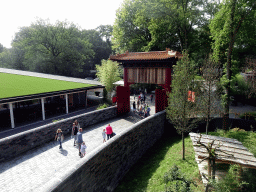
(38, 169)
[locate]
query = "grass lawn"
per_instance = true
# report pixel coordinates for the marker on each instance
(148, 173)
(12, 85)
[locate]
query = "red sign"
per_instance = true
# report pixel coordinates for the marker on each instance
(191, 96)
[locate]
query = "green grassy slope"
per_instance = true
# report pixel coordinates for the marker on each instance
(12, 85)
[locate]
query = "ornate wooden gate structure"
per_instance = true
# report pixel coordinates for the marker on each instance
(147, 67)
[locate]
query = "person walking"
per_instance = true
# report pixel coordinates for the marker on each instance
(104, 135)
(134, 106)
(59, 137)
(83, 147)
(140, 111)
(109, 131)
(74, 133)
(77, 124)
(151, 98)
(138, 103)
(79, 140)
(141, 97)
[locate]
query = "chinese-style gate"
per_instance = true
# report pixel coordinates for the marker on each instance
(146, 67)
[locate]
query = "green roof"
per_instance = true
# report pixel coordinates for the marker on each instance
(12, 85)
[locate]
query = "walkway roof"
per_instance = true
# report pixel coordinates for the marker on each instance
(17, 85)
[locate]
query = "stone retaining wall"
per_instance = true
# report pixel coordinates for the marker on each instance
(19, 143)
(102, 169)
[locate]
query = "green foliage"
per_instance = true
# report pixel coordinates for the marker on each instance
(225, 27)
(108, 73)
(105, 93)
(230, 183)
(61, 48)
(105, 105)
(240, 88)
(57, 49)
(147, 174)
(175, 180)
(248, 139)
(142, 25)
(56, 120)
(130, 31)
(209, 98)
(249, 115)
(178, 18)
(180, 109)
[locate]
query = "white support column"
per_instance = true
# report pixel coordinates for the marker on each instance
(11, 115)
(43, 112)
(66, 96)
(86, 99)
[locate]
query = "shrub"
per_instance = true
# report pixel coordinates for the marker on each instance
(231, 182)
(175, 180)
(249, 115)
(105, 105)
(56, 120)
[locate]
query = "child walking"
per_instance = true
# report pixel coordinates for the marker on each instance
(83, 147)
(104, 135)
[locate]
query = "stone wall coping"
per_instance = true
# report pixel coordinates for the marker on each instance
(50, 124)
(141, 122)
(93, 153)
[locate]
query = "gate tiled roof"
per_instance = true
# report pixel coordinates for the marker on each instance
(153, 55)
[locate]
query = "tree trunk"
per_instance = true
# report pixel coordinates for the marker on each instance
(230, 49)
(209, 168)
(208, 108)
(183, 146)
(213, 169)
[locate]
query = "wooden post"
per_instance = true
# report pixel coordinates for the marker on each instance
(11, 115)
(66, 96)
(43, 111)
(85, 98)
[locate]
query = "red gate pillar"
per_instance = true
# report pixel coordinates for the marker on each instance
(123, 100)
(126, 78)
(160, 100)
(168, 79)
(123, 96)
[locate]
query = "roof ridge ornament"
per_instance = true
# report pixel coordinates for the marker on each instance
(172, 53)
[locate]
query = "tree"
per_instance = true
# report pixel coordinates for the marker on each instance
(210, 96)
(183, 16)
(108, 73)
(130, 31)
(100, 48)
(105, 33)
(251, 79)
(1, 48)
(180, 110)
(55, 49)
(225, 27)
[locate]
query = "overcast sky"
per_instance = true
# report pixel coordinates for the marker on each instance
(88, 14)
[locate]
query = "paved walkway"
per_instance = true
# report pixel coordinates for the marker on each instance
(39, 169)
